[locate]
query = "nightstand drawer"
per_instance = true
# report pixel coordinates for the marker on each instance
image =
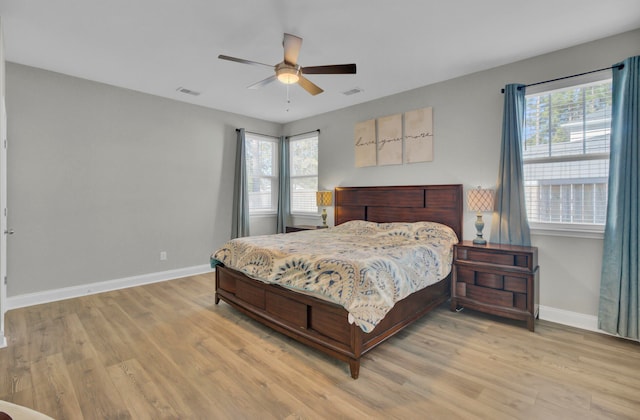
(501, 255)
(515, 284)
(493, 281)
(465, 276)
(490, 296)
(482, 256)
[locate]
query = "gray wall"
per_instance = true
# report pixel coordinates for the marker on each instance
(101, 179)
(467, 131)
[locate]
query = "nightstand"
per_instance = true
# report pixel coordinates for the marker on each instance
(497, 279)
(298, 228)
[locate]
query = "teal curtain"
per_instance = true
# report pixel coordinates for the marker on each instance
(509, 224)
(284, 199)
(619, 284)
(240, 218)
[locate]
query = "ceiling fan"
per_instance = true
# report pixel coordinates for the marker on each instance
(289, 71)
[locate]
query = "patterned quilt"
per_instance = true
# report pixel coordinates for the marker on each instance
(363, 266)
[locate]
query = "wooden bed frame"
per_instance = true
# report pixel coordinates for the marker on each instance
(324, 325)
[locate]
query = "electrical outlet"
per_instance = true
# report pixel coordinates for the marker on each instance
(163, 255)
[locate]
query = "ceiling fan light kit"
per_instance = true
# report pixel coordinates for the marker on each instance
(289, 72)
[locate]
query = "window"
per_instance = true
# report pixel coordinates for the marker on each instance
(566, 156)
(262, 173)
(303, 172)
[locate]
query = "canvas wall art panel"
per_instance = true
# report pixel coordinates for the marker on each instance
(418, 135)
(390, 140)
(365, 143)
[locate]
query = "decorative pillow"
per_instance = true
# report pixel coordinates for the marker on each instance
(420, 231)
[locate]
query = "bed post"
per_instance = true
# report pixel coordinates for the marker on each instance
(215, 292)
(354, 367)
(357, 338)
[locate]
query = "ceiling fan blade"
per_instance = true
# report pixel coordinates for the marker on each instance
(309, 86)
(262, 83)
(243, 61)
(291, 44)
(332, 69)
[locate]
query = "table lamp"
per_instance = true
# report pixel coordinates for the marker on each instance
(480, 200)
(323, 199)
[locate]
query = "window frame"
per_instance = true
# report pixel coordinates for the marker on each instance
(292, 178)
(578, 230)
(272, 178)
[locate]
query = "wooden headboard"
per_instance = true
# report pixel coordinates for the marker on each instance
(407, 203)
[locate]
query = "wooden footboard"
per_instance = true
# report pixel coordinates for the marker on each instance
(317, 323)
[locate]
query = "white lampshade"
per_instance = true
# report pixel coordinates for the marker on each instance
(480, 200)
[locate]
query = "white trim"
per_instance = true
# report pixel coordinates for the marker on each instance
(305, 136)
(263, 215)
(47, 296)
(545, 230)
(308, 213)
(572, 319)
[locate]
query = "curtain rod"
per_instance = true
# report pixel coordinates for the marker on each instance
(302, 134)
(257, 134)
(617, 66)
(294, 135)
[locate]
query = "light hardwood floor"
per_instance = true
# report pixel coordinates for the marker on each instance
(166, 351)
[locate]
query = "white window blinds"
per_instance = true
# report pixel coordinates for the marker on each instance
(566, 154)
(303, 172)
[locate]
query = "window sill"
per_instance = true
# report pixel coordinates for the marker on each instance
(263, 214)
(301, 214)
(584, 232)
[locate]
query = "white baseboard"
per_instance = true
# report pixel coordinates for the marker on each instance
(47, 296)
(572, 319)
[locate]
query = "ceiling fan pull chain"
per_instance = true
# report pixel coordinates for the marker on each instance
(288, 100)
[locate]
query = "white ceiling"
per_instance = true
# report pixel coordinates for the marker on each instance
(156, 46)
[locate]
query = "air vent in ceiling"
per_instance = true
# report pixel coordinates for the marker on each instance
(188, 91)
(352, 91)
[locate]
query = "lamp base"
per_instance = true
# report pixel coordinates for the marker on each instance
(324, 217)
(479, 240)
